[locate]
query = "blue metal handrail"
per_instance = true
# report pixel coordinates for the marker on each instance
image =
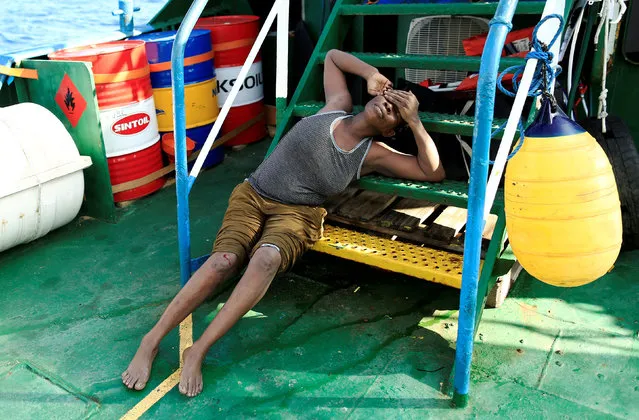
(184, 181)
(500, 25)
(179, 124)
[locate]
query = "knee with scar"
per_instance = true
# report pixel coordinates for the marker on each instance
(223, 262)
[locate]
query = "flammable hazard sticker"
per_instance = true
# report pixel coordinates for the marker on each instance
(70, 100)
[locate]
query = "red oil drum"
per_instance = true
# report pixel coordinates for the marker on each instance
(232, 38)
(127, 110)
(134, 166)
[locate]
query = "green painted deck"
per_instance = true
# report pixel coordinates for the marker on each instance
(333, 339)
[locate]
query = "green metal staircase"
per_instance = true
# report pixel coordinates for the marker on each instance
(345, 26)
(346, 21)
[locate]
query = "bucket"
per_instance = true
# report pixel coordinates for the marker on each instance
(127, 111)
(134, 166)
(199, 78)
(123, 88)
(232, 38)
(168, 146)
(197, 136)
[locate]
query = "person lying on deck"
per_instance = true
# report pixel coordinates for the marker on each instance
(275, 215)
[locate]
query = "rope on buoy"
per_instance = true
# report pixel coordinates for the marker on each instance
(543, 78)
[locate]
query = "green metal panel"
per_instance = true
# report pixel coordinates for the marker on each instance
(313, 17)
(621, 101)
(453, 193)
(87, 134)
(430, 62)
(530, 7)
(8, 95)
(439, 123)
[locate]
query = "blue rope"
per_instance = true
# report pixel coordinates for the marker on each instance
(542, 78)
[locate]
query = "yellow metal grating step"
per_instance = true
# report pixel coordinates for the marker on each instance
(400, 257)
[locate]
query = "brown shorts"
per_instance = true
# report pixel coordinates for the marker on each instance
(252, 221)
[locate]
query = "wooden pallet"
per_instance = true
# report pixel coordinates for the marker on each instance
(417, 221)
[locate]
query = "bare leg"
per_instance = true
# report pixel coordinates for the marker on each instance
(250, 289)
(218, 268)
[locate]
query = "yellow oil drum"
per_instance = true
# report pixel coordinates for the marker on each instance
(563, 214)
(200, 104)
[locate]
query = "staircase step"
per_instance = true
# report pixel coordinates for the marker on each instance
(439, 123)
(452, 193)
(429, 62)
(524, 7)
(396, 256)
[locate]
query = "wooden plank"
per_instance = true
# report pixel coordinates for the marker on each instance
(448, 224)
(335, 201)
(498, 294)
(365, 205)
(489, 228)
(407, 214)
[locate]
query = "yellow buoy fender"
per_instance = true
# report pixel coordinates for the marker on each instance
(563, 213)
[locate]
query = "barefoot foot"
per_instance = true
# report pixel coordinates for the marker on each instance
(139, 370)
(191, 378)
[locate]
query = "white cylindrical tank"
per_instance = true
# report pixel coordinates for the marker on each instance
(41, 179)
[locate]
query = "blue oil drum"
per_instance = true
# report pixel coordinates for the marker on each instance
(198, 57)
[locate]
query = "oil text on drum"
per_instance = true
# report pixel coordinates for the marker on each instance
(123, 131)
(132, 124)
(252, 89)
(249, 83)
(232, 38)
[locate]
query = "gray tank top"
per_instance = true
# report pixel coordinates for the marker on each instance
(307, 166)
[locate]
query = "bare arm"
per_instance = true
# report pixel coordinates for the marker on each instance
(426, 166)
(337, 95)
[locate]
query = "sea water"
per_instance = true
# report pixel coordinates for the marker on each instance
(26, 24)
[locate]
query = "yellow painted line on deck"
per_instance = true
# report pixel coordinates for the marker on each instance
(186, 341)
(154, 396)
(186, 336)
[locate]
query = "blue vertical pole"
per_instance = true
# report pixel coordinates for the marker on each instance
(179, 124)
(125, 11)
(499, 27)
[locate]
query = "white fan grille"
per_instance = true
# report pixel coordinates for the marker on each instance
(441, 35)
